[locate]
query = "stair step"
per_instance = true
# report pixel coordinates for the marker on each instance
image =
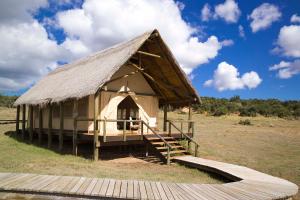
(157, 138)
(161, 143)
(174, 152)
(175, 146)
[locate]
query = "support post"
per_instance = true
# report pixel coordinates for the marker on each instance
(23, 120)
(40, 124)
(169, 129)
(30, 123)
(142, 130)
(196, 150)
(104, 130)
(168, 156)
(75, 115)
(190, 118)
(17, 120)
(96, 133)
(61, 126)
(165, 117)
(50, 126)
(124, 130)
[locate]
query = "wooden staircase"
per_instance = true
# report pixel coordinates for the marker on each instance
(160, 147)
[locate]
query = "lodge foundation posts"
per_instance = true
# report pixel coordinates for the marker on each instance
(61, 126)
(40, 124)
(165, 117)
(50, 126)
(96, 133)
(75, 116)
(23, 120)
(17, 120)
(30, 123)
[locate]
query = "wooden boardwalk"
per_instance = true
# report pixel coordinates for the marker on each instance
(249, 184)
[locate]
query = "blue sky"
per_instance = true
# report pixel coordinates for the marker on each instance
(264, 63)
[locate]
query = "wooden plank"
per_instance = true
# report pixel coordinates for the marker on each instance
(117, 188)
(155, 190)
(77, 185)
(68, 187)
(143, 191)
(136, 190)
(91, 186)
(104, 187)
(110, 189)
(14, 180)
(149, 190)
(43, 187)
(97, 187)
(32, 187)
(84, 186)
(24, 183)
(130, 186)
(123, 190)
(167, 191)
(190, 192)
(11, 179)
(161, 191)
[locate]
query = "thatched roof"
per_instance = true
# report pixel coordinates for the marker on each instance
(86, 76)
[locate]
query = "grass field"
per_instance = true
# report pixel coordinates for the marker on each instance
(270, 145)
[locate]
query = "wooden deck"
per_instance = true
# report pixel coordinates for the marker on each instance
(249, 184)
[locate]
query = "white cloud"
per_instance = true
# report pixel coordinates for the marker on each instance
(26, 52)
(286, 69)
(289, 41)
(263, 16)
(95, 27)
(227, 77)
(295, 18)
(228, 11)
(206, 13)
(241, 31)
(226, 43)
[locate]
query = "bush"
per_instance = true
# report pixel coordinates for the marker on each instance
(222, 110)
(245, 122)
(248, 111)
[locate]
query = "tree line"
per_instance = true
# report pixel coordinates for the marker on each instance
(248, 107)
(7, 101)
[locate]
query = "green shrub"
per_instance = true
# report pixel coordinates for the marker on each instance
(222, 110)
(245, 122)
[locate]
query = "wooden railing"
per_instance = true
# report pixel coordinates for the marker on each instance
(184, 135)
(190, 126)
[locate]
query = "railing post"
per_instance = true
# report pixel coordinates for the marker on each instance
(165, 117)
(75, 115)
(104, 130)
(142, 129)
(17, 120)
(193, 128)
(30, 123)
(181, 129)
(124, 130)
(23, 120)
(189, 146)
(50, 126)
(61, 126)
(169, 133)
(196, 150)
(40, 124)
(168, 156)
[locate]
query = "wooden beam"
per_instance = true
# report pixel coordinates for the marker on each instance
(50, 126)
(23, 120)
(17, 120)
(61, 126)
(96, 133)
(75, 116)
(149, 54)
(165, 117)
(40, 124)
(30, 123)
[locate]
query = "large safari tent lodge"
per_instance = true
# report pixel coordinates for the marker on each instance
(111, 98)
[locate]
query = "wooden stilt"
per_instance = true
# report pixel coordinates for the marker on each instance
(40, 124)
(165, 117)
(23, 121)
(18, 120)
(61, 127)
(75, 116)
(30, 123)
(50, 126)
(96, 133)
